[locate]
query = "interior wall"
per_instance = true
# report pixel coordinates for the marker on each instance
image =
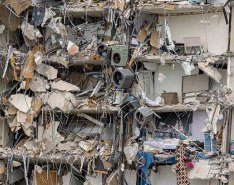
(213, 33)
(173, 80)
(198, 124)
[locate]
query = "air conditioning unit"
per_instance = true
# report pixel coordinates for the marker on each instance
(144, 115)
(104, 51)
(123, 78)
(119, 56)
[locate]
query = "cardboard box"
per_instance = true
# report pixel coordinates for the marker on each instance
(45, 178)
(170, 98)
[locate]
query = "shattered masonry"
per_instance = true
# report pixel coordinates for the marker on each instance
(116, 92)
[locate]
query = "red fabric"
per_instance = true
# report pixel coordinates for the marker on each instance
(189, 165)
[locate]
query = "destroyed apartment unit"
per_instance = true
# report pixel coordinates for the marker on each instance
(116, 92)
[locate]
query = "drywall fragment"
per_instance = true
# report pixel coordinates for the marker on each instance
(28, 131)
(18, 6)
(48, 71)
(49, 14)
(72, 48)
(36, 106)
(38, 57)
(21, 102)
(60, 60)
(14, 126)
(21, 117)
(64, 86)
(86, 146)
(11, 111)
(51, 137)
(10, 20)
(57, 26)
(37, 84)
(22, 86)
(210, 71)
(30, 32)
(65, 101)
(65, 146)
(131, 152)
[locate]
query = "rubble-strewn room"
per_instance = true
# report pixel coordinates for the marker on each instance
(116, 92)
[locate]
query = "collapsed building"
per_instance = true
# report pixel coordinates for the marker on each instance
(116, 92)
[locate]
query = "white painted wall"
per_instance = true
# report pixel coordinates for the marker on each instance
(214, 36)
(198, 124)
(173, 81)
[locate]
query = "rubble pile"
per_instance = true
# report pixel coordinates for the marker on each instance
(84, 91)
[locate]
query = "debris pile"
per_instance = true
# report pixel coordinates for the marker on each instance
(89, 86)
